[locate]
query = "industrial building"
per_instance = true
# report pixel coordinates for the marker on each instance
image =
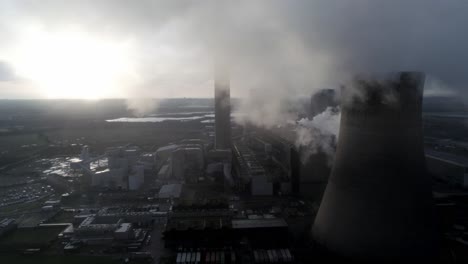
(67, 232)
(124, 232)
(214, 226)
(310, 174)
(119, 227)
(249, 172)
(136, 177)
(83, 161)
(378, 203)
(307, 173)
(124, 170)
(281, 255)
(136, 215)
(170, 191)
(275, 155)
(96, 230)
(197, 226)
(162, 155)
(279, 164)
(51, 205)
(188, 163)
(208, 256)
(185, 161)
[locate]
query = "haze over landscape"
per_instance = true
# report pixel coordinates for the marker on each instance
(230, 132)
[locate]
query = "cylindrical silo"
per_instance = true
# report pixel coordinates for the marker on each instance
(378, 201)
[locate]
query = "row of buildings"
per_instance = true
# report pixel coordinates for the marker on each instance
(125, 168)
(381, 175)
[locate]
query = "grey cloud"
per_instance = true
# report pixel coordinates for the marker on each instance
(283, 47)
(423, 35)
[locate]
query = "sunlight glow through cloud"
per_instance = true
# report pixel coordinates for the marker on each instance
(73, 64)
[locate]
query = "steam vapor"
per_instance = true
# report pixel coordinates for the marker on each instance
(319, 134)
(277, 50)
(142, 106)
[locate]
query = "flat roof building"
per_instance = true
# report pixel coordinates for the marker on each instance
(170, 191)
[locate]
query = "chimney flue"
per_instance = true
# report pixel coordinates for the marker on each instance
(222, 108)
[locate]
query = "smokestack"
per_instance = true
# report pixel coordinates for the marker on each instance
(378, 201)
(222, 108)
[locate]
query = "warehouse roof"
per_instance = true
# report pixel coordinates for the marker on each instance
(170, 191)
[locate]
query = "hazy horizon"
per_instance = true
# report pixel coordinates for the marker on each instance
(121, 49)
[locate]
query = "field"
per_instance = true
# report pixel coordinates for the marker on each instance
(62, 217)
(16, 147)
(18, 209)
(37, 237)
(18, 259)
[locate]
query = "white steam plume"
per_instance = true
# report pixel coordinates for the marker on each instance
(142, 106)
(319, 134)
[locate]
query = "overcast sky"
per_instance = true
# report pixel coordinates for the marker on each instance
(97, 49)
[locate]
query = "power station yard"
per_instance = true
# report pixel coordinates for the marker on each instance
(177, 149)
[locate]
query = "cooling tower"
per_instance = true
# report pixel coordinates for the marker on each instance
(222, 109)
(378, 201)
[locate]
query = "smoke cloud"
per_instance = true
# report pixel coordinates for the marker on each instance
(435, 87)
(142, 106)
(277, 50)
(319, 134)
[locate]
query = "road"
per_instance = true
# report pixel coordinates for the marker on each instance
(156, 247)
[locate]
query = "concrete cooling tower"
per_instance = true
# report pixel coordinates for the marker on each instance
(378, 201)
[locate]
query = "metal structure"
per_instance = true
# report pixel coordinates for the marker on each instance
(378, 201)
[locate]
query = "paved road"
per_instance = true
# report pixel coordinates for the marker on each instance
(156, 247)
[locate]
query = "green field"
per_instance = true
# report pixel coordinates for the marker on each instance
(13, 150)
(62, 217)
(36, 259)
(13, 142)
(21, 208)
(37, 237)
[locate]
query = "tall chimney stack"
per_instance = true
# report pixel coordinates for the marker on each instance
(378, 201)
(222, 108)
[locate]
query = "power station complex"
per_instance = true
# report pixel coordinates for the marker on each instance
(232, 193)
(378, 202)
(375, 202)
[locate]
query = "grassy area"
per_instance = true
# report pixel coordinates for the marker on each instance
(13, 150)
(19, 259)
(17, 209)
(62, 217)
(36, 237)
(15, 141)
